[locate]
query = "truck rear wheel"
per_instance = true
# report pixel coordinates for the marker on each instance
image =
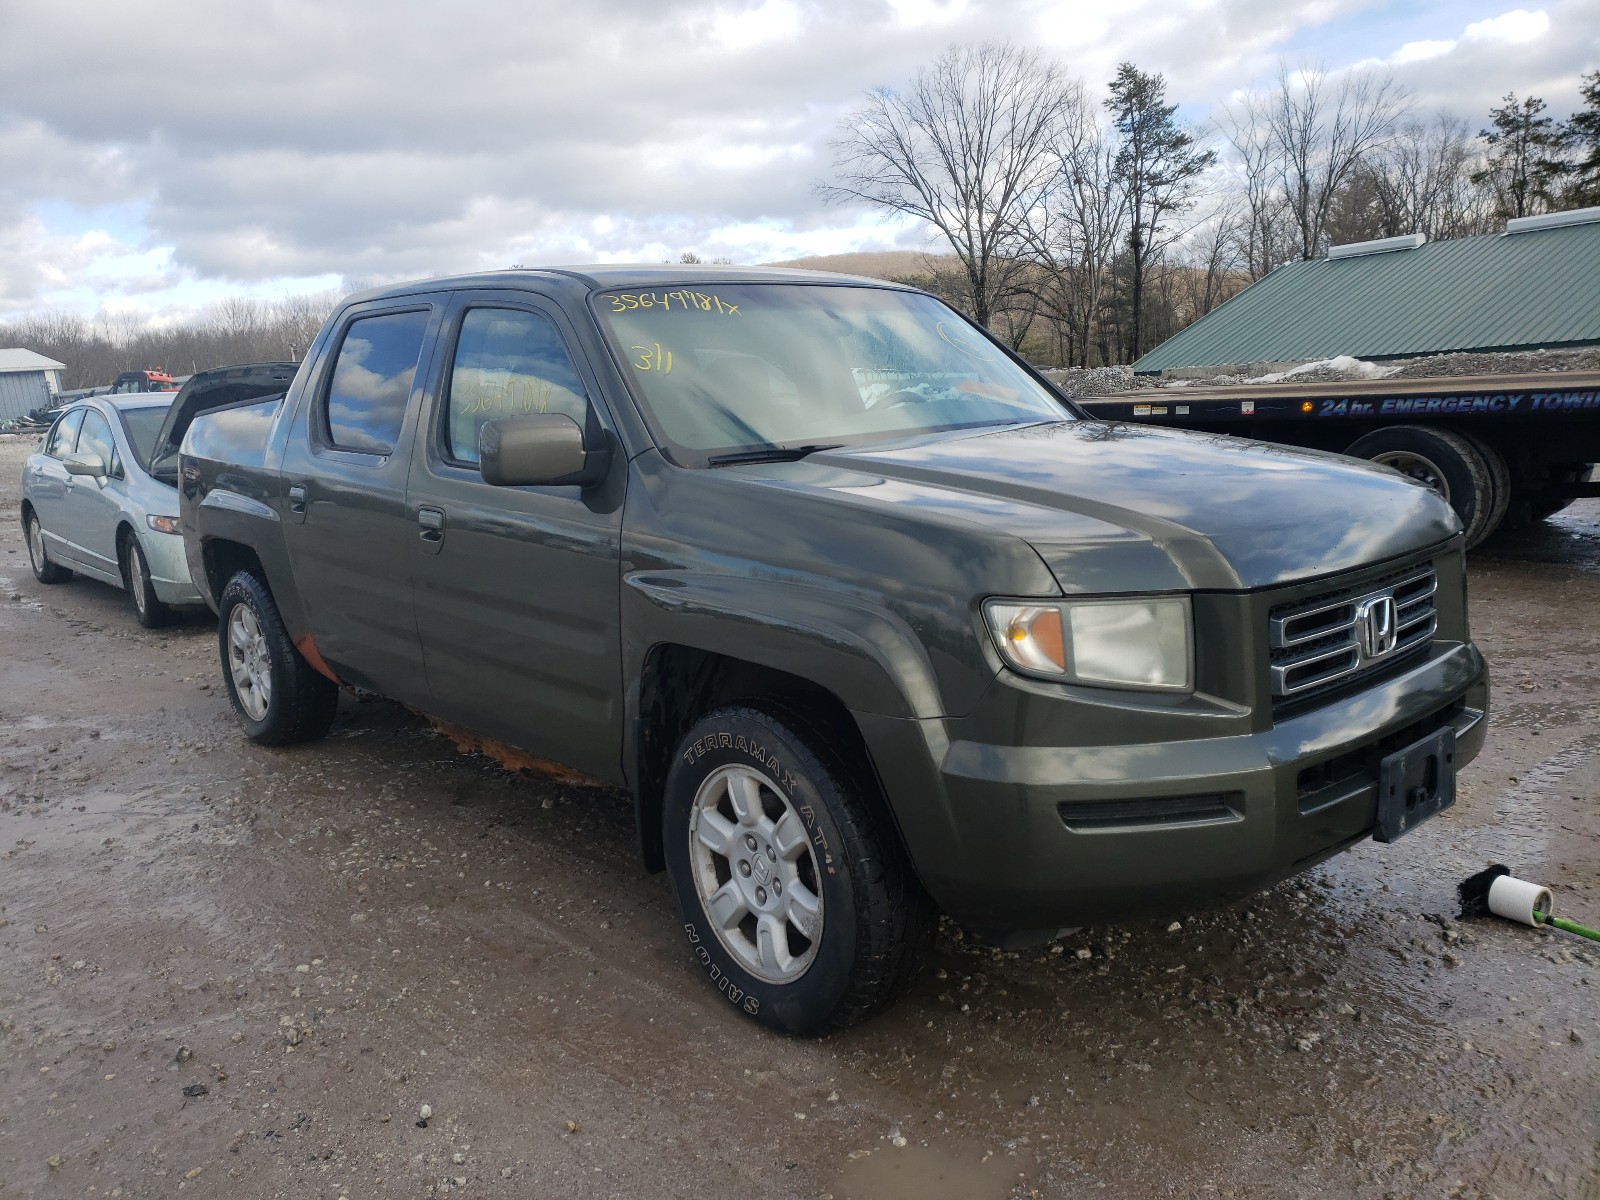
(1443, 460)
(1499, 481)
(277, 695)
(796, 901)
(1543, 505)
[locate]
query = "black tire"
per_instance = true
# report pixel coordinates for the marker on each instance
(300, 703)
(1542, 505)
(1444, 460)
(44, 570)
(1500, 489)
(147, 606)
(876, 922)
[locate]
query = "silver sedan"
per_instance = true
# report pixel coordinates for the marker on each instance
(90, 506)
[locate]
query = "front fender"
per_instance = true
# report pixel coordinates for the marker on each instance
(869, 659)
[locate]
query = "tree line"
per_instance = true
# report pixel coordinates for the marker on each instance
(237, 329)
(1087, 229)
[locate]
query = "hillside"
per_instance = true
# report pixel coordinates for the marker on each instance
(879, 264)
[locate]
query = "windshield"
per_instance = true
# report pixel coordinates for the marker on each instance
(143, 425)
(746, 366)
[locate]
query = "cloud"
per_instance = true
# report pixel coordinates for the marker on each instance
(276, 147)
(1516, 26)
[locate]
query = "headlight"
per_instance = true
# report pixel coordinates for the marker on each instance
(1135, 643)
(163, 524)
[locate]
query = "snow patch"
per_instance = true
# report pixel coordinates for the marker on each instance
(1343, 363)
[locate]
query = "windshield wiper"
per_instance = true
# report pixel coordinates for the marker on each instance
(769, 454)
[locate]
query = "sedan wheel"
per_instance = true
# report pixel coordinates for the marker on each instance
(152, 613)
(44, 570)
(249, 662)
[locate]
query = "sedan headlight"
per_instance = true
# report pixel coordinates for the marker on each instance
(163, 524)
(1144, 642)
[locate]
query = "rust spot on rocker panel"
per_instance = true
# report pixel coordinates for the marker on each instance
(308, 651)
(509, 757)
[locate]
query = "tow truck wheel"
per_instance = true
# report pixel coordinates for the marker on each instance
(797, 902)
(277, 695)
(1444, 461)
(1499, 481)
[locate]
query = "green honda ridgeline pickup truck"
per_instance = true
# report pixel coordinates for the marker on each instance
(868, 619)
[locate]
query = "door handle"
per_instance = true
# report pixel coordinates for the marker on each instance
(297, 501)
(430, 529)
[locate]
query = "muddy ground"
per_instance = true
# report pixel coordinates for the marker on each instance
(238, 972)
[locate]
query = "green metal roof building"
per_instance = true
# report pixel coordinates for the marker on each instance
(1535, 286)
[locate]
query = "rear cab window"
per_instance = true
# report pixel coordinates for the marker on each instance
(373, 374)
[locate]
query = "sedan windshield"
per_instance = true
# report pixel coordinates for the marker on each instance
(143, 425)
(747, 366)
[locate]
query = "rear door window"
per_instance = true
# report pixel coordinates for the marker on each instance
(96, 440)
(508, 362)
(64, 434)
(372, 380)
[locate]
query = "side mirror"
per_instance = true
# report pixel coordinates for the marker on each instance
(538, 449)
(91, 465)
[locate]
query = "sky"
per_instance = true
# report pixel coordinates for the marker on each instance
(156, 155)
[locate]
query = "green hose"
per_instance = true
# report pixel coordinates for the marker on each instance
(1572, 927)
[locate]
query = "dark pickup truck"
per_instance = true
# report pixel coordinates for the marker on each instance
(867, 619)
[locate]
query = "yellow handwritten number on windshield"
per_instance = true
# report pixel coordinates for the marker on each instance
(652, 358)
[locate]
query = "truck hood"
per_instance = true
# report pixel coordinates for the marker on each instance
(1182, 510)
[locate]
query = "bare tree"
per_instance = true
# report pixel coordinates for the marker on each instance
(1080, 221)
(1308, 137)
(1424, 181)
(1262, 235)
(966, 149)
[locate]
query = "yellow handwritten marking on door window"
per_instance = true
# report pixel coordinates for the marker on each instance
(652, 358)
(685, 301)
(499, 393)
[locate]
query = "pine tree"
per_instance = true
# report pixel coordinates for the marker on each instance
(1158, 166)
(1581, 136)
(1523, 164)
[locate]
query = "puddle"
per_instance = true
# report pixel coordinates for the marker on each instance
(927, 1173)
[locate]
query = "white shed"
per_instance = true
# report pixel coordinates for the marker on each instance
(27, 381)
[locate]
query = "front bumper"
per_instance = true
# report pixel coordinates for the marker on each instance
(169, 568)
(1016, 841)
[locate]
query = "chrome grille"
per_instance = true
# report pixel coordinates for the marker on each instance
(1319, 643)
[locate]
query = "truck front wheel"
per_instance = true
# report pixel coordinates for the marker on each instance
(797, 903)
(277, 695)
(1443, 460)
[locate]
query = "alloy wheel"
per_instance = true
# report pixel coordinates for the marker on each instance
(249, 662)
(36, 544)
(756, 873)
(136, 578)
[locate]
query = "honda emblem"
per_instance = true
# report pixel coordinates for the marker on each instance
(1377, 627)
